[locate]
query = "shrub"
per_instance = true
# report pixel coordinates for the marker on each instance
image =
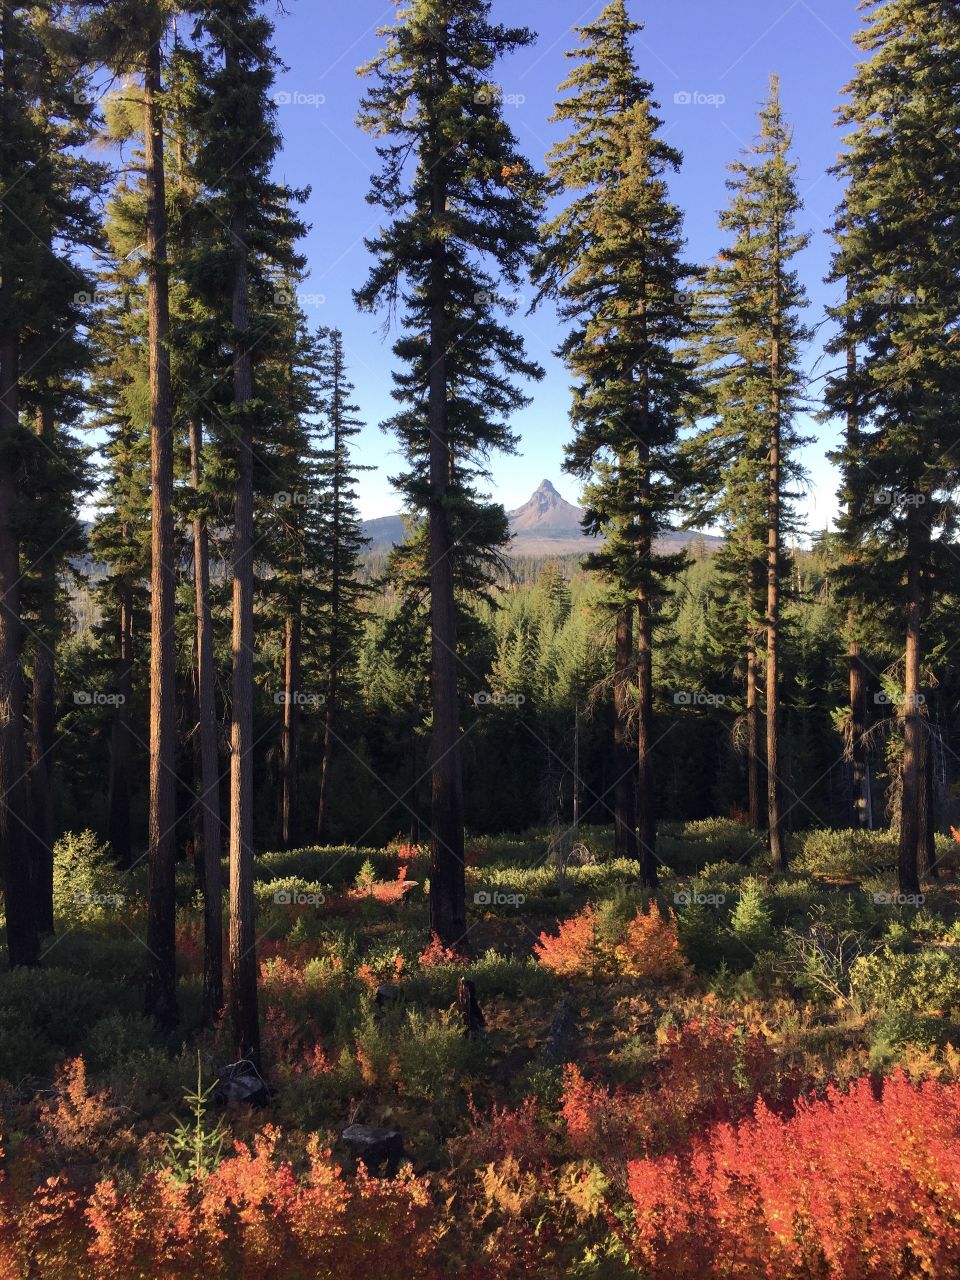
(647, 945)
(855, 1186)
(920, 981)
(87, 883)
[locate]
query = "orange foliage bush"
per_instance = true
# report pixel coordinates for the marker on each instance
(254, 1218)
(575, 948)
(648, 948)
(651, 947)
(861, 1185)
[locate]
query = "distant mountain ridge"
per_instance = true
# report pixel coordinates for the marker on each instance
(546, 525)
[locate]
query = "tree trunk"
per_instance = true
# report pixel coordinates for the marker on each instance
(209, 755)
(926, 846)
(624, 761)
(244, 1013)
(290, 742)
(161, 909)
(913, 726)
(859, 762)
(44, 713)
(23, 943)
(778, 855)
(646, 815)
(859, 767)
(447, 880)
(754, 807)
(329, 713)
(121, 740)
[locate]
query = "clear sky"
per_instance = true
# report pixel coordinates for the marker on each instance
(709, 61)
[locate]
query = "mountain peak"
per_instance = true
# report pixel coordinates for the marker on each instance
(546, 509)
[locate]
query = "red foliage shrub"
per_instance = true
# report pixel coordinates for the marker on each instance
(649, 947)
(254, 1218)
(861, 1185)
(503, 1132)
(575, 949)
(435, 953)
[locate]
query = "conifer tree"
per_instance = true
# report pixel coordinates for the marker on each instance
(898, 256)
(462, 204)
(234, 117)
(44, 218)
(614, 257)
(753, 343)
(339, 625)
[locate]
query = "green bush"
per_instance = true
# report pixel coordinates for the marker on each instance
(913, 982)
(842, 854)
(87, 883)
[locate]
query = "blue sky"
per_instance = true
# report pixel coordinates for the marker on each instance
(720, 53)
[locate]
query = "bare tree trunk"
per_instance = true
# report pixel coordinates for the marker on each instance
(161, 908)
(926, 846)
(212, 834)
(44, 713)
(23, 943)
(121, 740)
(860, 765)
(778, 855)
(447, 879)
(290, 741)
(754, 807)
(647, 814)
(913, 726)
(244, 1012)
(860, 773)
(329, 713)
(624, 761)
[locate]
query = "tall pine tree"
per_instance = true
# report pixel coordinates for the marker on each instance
(898, 257)
(615, 258)
(462, 204)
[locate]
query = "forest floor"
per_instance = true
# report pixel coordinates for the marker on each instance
(749, 1075)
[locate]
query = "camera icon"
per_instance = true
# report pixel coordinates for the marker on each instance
(83, 698)
(682, 898)
(482, 898)
(682, 699)
(683, 98)
(284, 897)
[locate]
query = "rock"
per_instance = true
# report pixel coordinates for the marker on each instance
(241, 1083)
(375, 1147)
(387, 993)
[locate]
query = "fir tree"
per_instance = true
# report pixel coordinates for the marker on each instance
(753, 343)
(462, 203)
(614, 257)
(897, 255)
